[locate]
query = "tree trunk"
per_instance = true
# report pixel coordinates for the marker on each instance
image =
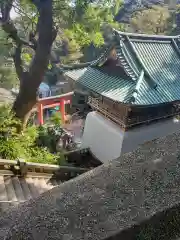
(25, 100)
(30, 81)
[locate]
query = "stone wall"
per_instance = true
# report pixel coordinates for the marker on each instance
(134, 197)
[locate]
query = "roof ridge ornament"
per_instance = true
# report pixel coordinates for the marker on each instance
(92, 63)
(176, 47)
(121, 43)
(137, 87)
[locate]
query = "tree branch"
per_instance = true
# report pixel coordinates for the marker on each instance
(8, 26)
(46, 36)
(42, 46)
(11, 30)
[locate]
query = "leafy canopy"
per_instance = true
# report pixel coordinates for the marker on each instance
(80, 23)
(154, 20)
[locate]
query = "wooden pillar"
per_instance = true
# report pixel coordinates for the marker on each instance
(40, 114)
(62, 110)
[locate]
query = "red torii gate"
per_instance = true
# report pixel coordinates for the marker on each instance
(51, 102)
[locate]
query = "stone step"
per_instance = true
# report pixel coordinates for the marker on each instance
(25, 188)
(41, 185)
(10, 189)
(15, 190)
(18, 189)
(33, 189)
(48, 183)
(54, 182)
(3, 195)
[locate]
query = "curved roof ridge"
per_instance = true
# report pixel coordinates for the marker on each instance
(87, 64)
(76, 66)
(141, 35)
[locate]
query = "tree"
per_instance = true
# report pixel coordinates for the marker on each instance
(154, 20)
(40, 40)
(8, 78)
(32, 36)
(87, 30)
(175, 20)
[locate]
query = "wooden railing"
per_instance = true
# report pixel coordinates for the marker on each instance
(130, 116)
(147, 114)
(116, 116)
(22, 168)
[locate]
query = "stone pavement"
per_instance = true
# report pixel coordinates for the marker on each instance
(134, 197)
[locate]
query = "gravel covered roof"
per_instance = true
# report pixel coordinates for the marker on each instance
(103, 202)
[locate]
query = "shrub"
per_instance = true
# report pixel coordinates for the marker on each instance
(48, 137)
(8, 123)
(56, 118)
(14, 145)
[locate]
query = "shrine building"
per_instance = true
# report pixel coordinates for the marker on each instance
(134, 92)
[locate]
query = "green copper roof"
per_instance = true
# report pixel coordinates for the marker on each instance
(162, 62)
(109, 86)
(157, 57)
(76, 74)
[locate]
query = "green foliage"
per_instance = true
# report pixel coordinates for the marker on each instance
(80, 24)
(50, 133)
(42, 155)
(26, 57)
(10, 149)
(89, 28)
(14, 145)
(8, 78)
(155, 20)
(8, 123)
(56, 119)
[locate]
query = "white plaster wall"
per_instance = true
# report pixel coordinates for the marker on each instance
(139, 135)
(107, 141)
(103, 137)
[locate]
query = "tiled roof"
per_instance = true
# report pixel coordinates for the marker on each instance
(163, 64)
(157, 56)
(113, 87)
(76, 73)
(77, 67)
